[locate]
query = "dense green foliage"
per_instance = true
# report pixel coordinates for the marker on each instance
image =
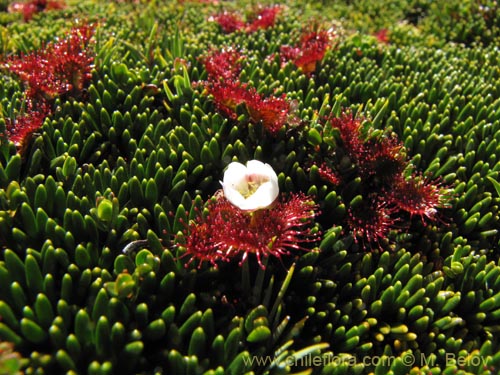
(144, 147)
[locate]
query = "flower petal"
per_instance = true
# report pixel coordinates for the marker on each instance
(262, 198)
(234, 196)
(250, 187)
(235, 178)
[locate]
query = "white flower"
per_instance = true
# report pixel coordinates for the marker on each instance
(250, 187)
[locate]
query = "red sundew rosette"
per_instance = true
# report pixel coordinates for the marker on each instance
(223, 65)
(61, 68)
(30, 8)
(250, 218)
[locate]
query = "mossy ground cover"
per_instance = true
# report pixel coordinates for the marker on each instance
(95, 204)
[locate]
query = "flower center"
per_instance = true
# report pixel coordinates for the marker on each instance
(254, 181)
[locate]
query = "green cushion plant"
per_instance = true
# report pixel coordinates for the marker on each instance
(107, 194)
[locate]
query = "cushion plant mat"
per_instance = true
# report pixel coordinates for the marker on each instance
(381, 121)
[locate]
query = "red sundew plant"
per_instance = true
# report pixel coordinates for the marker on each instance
(74, 60)
(227, 232)
(30, 8)
(382, 36)
(213, 2)
(61, 68)
(20, 129)
(310, 50)
(263, 18)
(223, 64)
(288, 53)
(370, 222)
(223, 69)
(418, 196)
(379, 164)
(350, 134)
(273, 112)
(383, 157)
(328, 174)
(229, 22)
(228, 96)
